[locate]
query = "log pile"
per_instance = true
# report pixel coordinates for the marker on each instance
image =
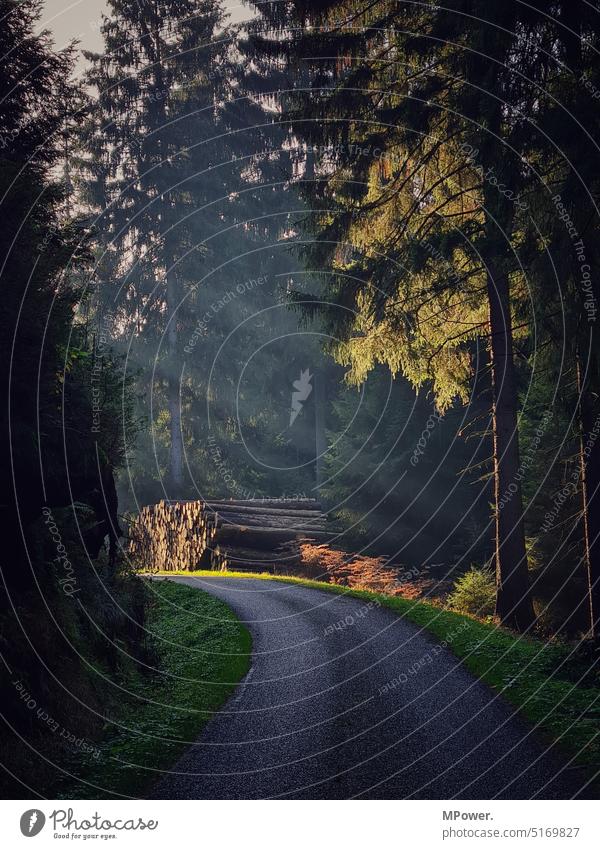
(275, 535)
(252, 535)
(261, 536)
(172, 535)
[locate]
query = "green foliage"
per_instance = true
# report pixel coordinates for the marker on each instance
(75, 633)
(448, 211)
(71, 616)
(474, 593)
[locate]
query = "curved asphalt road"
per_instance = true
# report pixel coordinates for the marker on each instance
(313, 718)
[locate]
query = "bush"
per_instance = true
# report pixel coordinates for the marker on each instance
(474, 593)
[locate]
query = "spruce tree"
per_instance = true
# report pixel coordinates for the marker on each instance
(152, 151)
(428, 182)
(188, 177)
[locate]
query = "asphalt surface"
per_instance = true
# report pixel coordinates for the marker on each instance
(345, 700)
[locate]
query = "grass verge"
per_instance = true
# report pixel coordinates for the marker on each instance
(554, 688)
(202, 651)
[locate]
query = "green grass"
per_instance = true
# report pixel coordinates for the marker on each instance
(549, 683)
(202, 652)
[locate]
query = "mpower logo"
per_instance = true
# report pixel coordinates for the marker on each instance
(32, 822)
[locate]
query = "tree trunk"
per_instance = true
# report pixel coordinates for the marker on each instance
(571, 17)
(589, 461)
(591, 484)
(320, 437)
(513, 600)
(174, 393)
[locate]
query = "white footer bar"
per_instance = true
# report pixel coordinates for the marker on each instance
(301, 824)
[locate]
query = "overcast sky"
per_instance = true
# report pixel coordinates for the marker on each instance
(80, 19)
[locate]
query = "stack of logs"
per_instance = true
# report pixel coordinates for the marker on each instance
(254, 535)
(171, 535)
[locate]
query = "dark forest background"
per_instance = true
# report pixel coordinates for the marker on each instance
(318, 197)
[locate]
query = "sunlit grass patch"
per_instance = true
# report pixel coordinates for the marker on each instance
(202, 652)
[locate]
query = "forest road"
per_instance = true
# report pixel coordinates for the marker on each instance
(346, 700)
